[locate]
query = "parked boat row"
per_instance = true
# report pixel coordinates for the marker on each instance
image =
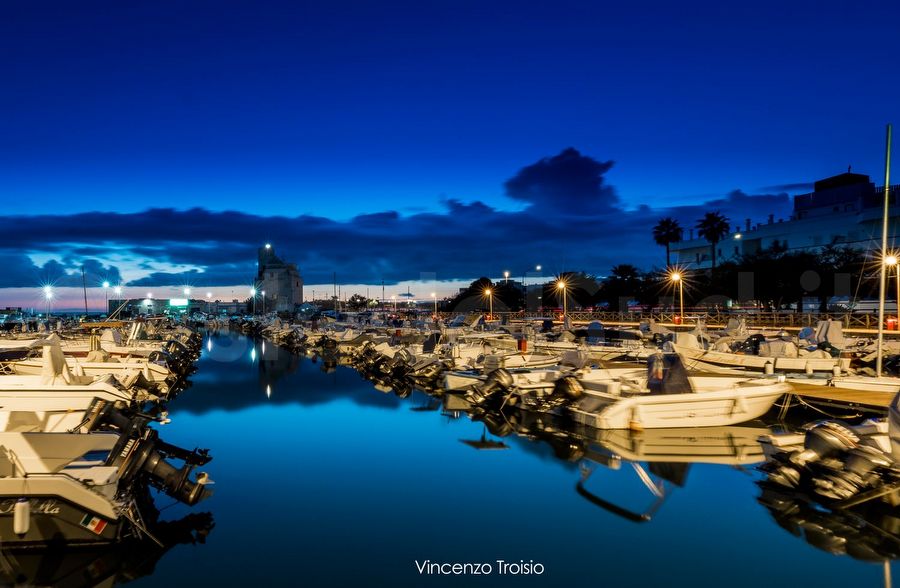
(478, 369)
(79, 452)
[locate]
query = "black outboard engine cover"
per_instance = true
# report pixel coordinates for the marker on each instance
(666, 374)
(750, 346)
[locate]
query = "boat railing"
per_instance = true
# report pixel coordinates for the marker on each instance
(711, 317)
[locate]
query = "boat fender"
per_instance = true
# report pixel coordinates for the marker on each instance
(21, 517)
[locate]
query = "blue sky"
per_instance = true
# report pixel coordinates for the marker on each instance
(333, 110)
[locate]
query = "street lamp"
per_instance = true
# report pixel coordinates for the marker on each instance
(434, 297)
(892, 261)
(208, 301)
(506, 277)
(48, 294)
(677, 278)
(106, 295)
(561, 285)
(263, 294)
(253, 295)
(187, 291)
(490, 295)
(394, 300)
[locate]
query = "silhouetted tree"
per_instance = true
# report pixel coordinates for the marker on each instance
(713, 227)
(666, 232)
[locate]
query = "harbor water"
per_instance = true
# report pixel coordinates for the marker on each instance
(323, 480)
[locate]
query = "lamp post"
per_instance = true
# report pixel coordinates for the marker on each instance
(48, 294)
(263, 294)
(208, 301)
(490, 295)
(106, 296)
(394, 300)
(537, 268)
(676, 278)
(434, 297)
(561, 285)
(253, 295)
(506, 277)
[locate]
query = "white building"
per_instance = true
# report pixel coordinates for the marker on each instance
(278, 284)
(845, 209)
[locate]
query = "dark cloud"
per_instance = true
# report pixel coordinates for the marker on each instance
(567, 182)
(798, 187)
(572, 221)
(20, 271)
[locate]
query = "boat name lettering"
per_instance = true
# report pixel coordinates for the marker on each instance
(38, 506)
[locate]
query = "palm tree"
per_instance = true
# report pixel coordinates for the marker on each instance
(666, 232)
(713, 227)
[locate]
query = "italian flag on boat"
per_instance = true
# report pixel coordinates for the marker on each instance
(95, 524)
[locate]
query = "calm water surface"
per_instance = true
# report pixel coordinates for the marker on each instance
(321, 480)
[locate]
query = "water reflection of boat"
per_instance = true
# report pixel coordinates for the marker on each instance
(56, 563)
(660, 458)
(484, 442)
(869, 532)
(732, 445)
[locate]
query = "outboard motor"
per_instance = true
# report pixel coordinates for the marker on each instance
(894, 426)
(498, 380)
(145, 455)
(666, 374)
(750, 346)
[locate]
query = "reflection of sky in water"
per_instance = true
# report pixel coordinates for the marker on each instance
(323, 480)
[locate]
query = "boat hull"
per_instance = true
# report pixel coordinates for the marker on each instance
(656, 411)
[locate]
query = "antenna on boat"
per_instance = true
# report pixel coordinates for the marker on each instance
(884, 235)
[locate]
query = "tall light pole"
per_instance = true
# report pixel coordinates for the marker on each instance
(892, 261)
(561, 285)
(263, 294)
(253, 295)
(434, 297)
(118, 292)
(48, 294)
(208, 301)
(676, 277)
(106, 296)
(490, 295)
(394, 300)
(506, 277)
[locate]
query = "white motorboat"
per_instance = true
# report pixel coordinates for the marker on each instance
(759, 363)
(714, 402)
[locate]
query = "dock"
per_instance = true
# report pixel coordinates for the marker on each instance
(843, 398)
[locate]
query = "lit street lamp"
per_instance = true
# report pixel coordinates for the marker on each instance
(187, 291)
(490, 295)
(676, 278)
(561, 285)
(253, 295)
(208, 301)
(892, 261)
(263, 294)
(48, 294)
(434, 297)
(106, 296)
(394, 299)
(506, 277)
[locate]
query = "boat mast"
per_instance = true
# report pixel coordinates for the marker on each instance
(84, 288)
(883, 256)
